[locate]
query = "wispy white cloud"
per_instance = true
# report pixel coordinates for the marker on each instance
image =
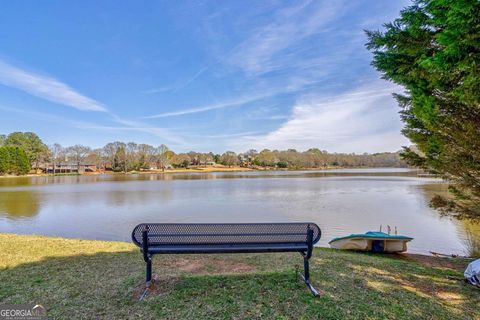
(47, 88)
(223, 136)
(238, 101)
(266, 112)
(53, 90)
(294, 84)
(273, 117)
(178, 85)
(362, 120)
(43, 116)
(291, 25)
(156, 131)
(275, 47)
(125, 125)
(269, 48)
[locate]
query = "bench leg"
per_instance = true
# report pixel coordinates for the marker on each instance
(306, 277)
(148, 278)
(149, 272)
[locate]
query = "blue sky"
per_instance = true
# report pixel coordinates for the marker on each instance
(198, 75)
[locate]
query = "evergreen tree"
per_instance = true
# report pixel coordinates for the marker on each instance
(433, 51)
(13, 160)
(30, 143)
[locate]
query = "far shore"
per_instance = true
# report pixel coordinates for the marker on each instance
(196, 169)
(152, 171)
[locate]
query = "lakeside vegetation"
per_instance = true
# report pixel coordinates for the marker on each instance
(127, 157)
(80, 279)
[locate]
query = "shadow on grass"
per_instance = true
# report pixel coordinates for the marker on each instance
(353, 286)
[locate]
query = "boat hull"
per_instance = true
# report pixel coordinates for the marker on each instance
(371, 244)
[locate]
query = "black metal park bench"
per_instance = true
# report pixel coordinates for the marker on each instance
(176, 238)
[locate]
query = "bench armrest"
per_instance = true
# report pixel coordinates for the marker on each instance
(309, 242)
(146, 256)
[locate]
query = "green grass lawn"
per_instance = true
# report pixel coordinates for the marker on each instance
(80, 279)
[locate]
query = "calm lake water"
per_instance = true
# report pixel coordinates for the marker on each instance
(339, 201)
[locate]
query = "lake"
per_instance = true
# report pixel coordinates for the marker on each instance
(340, 201)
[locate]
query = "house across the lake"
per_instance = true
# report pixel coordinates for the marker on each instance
(72, 167)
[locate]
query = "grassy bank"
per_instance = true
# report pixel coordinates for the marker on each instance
(77, 279)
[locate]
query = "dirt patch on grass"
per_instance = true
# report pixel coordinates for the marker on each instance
(209, 266)
(234, 267)
(432, 290)
(159, 286)
(165, 276)
(423, 286)
(457, 264)
(194, 266)
(451, 297)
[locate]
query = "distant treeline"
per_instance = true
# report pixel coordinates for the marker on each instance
(21, 150)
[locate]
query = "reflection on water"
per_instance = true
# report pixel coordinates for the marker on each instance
(472, 237)
(30, 181)
(468, 230)
(340, 201)
(19, 204)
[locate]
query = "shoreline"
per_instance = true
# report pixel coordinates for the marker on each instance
(194, 170)
(179, 170)
(399, 255)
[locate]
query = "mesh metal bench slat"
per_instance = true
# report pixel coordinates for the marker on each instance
(220, 235)
(182, 238)
(228, 249)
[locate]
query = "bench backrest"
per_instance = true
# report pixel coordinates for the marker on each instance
(225, 233)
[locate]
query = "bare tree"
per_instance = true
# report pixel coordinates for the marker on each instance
(229, 158)
(163, 156)
(56, 154)
(78, 153)
(194, 158)
(96, 157)
(204, 158)
(131, 156)
(120, 159)
(266, 158)
(110, 150)
(181, 160)
(250, 156)
(146, 155)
